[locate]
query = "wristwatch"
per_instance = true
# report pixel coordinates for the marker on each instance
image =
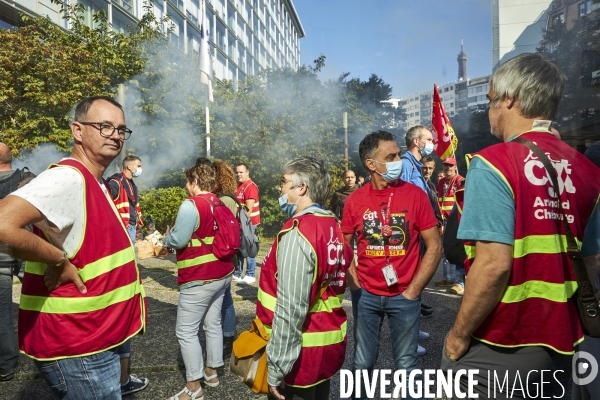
(62, 260)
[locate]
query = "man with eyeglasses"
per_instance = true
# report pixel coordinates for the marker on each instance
(82, 294)
(125, 194)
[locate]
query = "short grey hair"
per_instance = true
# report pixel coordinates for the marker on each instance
(535, 83)
(313, 173)
(414, 133)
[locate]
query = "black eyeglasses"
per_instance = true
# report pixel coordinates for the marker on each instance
(282, 182)
(107, 130)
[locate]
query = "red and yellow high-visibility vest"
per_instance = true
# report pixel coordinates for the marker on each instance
(536, 307)
(324, 328)
(196, 261)
(123, 205)
(446, 197)
(65, 323)
(242, 196)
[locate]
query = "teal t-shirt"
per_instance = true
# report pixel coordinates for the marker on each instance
(485, 191)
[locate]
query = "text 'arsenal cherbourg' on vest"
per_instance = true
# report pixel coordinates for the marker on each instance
(536, 307)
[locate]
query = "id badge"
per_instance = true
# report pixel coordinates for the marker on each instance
(390, 275)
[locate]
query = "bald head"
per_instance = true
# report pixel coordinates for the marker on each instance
(5, 158)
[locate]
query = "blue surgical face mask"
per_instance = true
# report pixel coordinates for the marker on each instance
(394, 169)
(137, 173)
(287, 208)
(427, 150)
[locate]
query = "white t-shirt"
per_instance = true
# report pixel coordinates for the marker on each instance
(58, 194)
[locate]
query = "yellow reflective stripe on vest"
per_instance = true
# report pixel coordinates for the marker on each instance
(470, 250)
(196, 261)
(74, 305)
(541, 244)
(317, 339)
(266, 300)
(207, 240)
(92, 270)
(329, 304)
(558, 292)
(269, 302)
(121, 205)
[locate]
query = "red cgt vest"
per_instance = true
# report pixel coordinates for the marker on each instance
(123, 205)
(255, 212)
(324, 328)
(536, 307)
(65, 323)
(446, 198)
(196, 262)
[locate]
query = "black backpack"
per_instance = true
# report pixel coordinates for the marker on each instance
(249, 242)
(454, 248)
(8, 185)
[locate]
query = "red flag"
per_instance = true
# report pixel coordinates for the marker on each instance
(444, 139)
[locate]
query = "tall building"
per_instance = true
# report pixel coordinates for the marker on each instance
(517, 27)
(464, 94)
(462, 63)
(246, 35)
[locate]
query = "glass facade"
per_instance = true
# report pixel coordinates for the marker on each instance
(246, 36)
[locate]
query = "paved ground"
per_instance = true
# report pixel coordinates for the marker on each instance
(156, 355)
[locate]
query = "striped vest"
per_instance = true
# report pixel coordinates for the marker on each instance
(196, 262)
(324, 328)
(446, 198)
(123, 205)
(536, 307)
(65, 323)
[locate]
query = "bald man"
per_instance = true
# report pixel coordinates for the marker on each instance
(339, 197)
(10, 180)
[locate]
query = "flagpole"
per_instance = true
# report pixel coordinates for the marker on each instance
(207, 89)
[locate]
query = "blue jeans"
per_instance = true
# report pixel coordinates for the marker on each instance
(459, 275)
(228, 314)
(403, 317)
(250, 264)
(91, 377)
(124, 349)
(131, 229)
(9, 352)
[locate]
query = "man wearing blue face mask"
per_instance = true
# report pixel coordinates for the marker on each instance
(301, 287)
(389, 216)
(125, 194)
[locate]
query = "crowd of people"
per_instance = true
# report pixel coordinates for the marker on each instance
(82, 297)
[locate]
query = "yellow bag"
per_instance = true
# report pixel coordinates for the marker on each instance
(249, 358)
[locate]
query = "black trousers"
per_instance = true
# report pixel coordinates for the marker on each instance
(317, 392)
(503, 371)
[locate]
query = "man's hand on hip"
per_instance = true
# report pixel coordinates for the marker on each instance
(63, 274)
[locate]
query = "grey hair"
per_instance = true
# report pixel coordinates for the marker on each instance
(534, 82)
(413, 133)
(313, 173)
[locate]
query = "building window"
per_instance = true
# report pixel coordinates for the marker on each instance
(221, 36)
(451, 105)
(585, 8)
(558, 19)
(479, 89)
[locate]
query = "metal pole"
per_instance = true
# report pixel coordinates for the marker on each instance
(121, 100)
(345, 125)
(207, 123)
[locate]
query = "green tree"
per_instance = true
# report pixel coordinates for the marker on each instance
(44, 69)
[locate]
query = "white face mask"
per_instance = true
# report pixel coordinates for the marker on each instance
(137, 173)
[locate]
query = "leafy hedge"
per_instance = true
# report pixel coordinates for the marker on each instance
(162, 205)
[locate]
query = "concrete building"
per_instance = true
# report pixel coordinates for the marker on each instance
(246, 36)
(464, 94)
(517, 27)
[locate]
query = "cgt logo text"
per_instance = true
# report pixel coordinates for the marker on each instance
(420, 384)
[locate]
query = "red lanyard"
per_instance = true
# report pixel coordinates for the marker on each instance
(386, 229)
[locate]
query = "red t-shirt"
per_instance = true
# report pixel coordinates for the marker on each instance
(411, 213)
(249, 191)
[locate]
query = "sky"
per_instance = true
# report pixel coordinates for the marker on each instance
(410, 44)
